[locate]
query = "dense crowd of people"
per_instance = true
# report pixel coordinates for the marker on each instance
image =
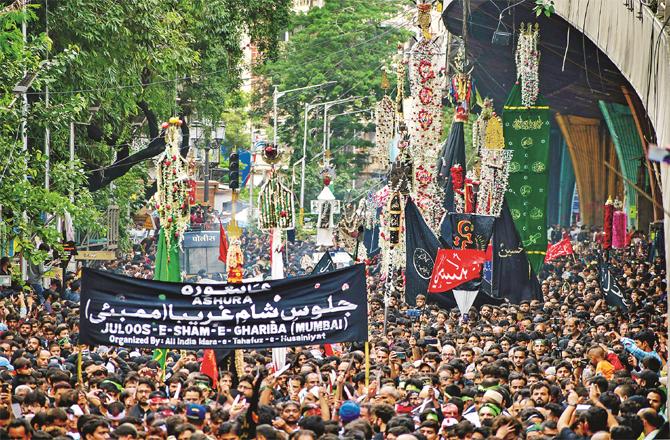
(570, 367)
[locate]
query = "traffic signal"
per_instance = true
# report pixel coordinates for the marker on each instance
(234, 170)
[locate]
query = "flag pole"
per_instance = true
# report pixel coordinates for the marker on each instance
(367, 364)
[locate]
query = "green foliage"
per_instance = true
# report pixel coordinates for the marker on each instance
(178, 57)
(29, 211)
(545, 7)
(345, 42)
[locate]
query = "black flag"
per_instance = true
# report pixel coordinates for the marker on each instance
(453, 152)
(371, 241)
(611, 289)
(324, 265)
(421, 251)
(471, 231)
(513, 277)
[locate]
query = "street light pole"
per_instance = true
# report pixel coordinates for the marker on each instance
(332, 118)
(205, 197)
(276, 94)
(326, 106)
(308, 108)
(72, 158)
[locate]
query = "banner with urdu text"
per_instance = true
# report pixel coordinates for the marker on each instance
(310, 310)
(526, 131)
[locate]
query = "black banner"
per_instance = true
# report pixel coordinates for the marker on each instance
(421, 251)
(311, 310)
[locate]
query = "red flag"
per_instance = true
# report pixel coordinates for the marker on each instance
(563, 247)
(454, 267)
(208, 367)
(223, 243)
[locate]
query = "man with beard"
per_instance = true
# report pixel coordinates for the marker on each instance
(144, 388)
(25, 329)
(540, 393)
(288, 418)
(33, 346)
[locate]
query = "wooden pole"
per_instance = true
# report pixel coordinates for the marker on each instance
(367, 364)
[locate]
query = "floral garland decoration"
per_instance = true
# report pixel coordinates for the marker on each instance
(608, 215)
(429, 197)
(527, 59)
(275, 199)
(471, 188)
(173, 196)
(384, 130)
(494, 180)
(426, 85)
(235, 262)
(457, 183)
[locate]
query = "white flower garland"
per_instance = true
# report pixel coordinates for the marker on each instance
(528, 63)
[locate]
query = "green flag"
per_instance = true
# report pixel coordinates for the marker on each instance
(166, 269)
(167, 260)
(526, 131)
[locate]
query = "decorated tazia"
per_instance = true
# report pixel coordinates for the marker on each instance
(423, 18)
(480, 124)
(494, 178)
(608, 216)
(528, 63)
(235, 262)
(395, 212)
(471, 188)
(385, 126)
(350, 225)
(425, 124)
(401, 176)
(429, 196)
(175, 193)
(493, 133)
(275, 200)
(461, 87)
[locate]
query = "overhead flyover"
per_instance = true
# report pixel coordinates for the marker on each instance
(583, 85)
(635, 38)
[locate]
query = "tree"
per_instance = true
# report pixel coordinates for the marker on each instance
(139, 62)
(29, 210)
(150, 59)
(345, 41)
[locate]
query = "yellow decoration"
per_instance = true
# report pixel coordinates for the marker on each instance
(385, 80)
(423, 19)
(494, 134)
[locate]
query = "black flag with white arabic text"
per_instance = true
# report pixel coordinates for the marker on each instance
(421, 252)
(611, 289)
(513, 277)
(324, 265)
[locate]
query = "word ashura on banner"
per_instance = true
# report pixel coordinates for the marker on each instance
(316, 309)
